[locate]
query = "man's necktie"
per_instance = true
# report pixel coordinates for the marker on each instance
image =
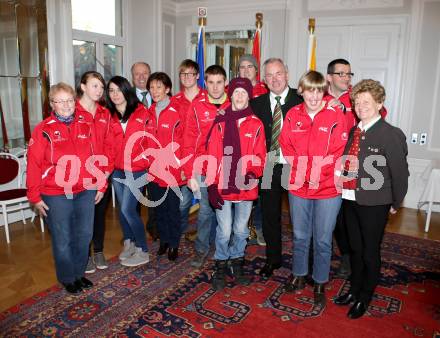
(276, 127)
(144, 99)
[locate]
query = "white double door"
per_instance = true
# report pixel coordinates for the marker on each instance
(373, 48)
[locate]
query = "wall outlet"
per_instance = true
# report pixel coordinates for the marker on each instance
(423, 138)
(414, 138)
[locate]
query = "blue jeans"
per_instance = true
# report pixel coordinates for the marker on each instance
(206, 222)
(70, 222)
(235, 223)
(317, 217)
(185, 205)
(131, 222)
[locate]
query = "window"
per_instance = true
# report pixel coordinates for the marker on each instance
(98, 37)
(225, 48)
(23, 70)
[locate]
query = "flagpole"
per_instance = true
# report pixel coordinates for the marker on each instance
(256, 49)
(311, 53)
(201, 43)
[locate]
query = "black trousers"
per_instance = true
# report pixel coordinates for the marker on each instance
(167, 214)
(271, 214)
(366, 226)
(341, 233)
(99, 222)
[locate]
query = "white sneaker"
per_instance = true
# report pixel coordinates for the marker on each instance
(138, 258)
(128, 251)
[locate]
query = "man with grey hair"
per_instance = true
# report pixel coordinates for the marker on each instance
(271, 108)
(140, 72)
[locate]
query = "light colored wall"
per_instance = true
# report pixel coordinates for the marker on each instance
(283, 30)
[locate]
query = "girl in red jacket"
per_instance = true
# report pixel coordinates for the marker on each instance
(312, 140)
(90, 93)
(62, 188)
(165, 125)
(128, 126)
(238, 143)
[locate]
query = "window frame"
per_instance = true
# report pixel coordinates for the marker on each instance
(103, 39)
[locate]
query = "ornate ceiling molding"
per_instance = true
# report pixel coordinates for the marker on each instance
(337, 5)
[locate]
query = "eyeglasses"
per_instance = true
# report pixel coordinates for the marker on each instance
(63, 102)
(342, 74)
(248, 67)
(187, 74)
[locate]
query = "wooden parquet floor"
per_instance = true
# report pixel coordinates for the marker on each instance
(26, 264)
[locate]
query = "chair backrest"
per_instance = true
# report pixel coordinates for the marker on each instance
(9, 168)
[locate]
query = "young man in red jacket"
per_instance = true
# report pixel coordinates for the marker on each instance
(197, 125)
(190, 91)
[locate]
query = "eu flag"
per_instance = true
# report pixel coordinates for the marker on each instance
(200, 59)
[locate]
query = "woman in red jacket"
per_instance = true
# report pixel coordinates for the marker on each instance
(238, 143)
(128, 126)
(61, 187)
(90, 93)
(165, 125)
(312, 140)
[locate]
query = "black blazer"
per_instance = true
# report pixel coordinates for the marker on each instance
(261, 108)
(390, 176)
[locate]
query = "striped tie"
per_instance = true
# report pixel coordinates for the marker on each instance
(276, 127)
(144, 99)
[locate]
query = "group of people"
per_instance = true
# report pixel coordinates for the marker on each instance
(237, 148)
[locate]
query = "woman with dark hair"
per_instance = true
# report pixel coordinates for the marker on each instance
(61, 147)
(165, 124)
(89, 103)
(129, 119)
(376, 144)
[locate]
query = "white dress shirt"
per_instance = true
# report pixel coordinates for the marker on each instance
(139, 95)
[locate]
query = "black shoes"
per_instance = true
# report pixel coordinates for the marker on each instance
(295, 283)
(357, 310)
(173, 253)
(162, 249)
(238, 272)
(267, 270)
(319, 294)
(77, 286)
(218, 279)
(83, 283)
(72, 288)
(345, 299)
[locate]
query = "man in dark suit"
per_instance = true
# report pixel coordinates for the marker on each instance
(271, 108)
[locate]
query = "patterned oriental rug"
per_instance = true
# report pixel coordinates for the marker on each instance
(165, 299)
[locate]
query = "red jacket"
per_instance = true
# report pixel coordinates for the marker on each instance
(167, 136)
(351, 118)
(102, 135)
(260, 88)
(127, 148)
(308, 144)
(57, 158)
(252, 144)
(198, 122)
(184, 103)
